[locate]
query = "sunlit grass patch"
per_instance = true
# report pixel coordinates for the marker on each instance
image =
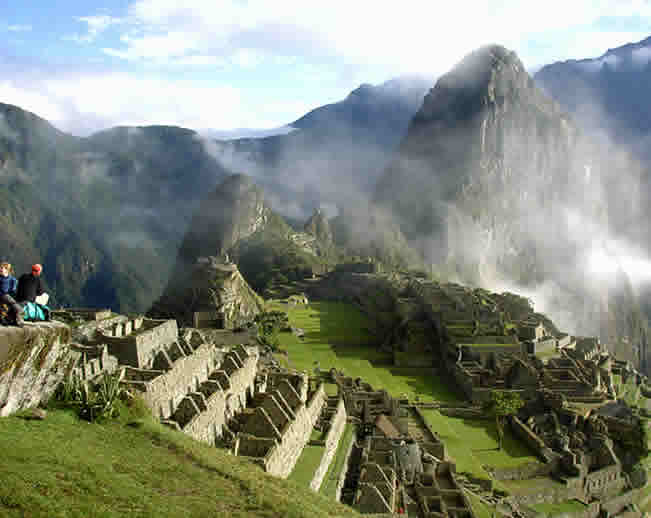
(329, 485)
(569, 506)
(306, 465)
(66, 467)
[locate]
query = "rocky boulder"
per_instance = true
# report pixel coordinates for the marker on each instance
(33, 360)
(212, 291)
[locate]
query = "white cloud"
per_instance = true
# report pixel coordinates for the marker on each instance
(641, 56)
(423, 38)
(19, 28)
(34, 100)
(95, 25)
(328, 47)
(111, 99)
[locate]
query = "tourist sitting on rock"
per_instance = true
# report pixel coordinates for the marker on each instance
(30, 287)
(8, 286)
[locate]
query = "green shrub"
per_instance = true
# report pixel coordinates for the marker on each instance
(94, 401)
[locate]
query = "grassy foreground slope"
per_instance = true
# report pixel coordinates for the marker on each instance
(64, 467)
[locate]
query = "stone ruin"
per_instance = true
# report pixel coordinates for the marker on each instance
(578, 450)
(202, 382)
(398, 464)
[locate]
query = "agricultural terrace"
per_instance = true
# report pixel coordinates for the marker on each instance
(338, 335)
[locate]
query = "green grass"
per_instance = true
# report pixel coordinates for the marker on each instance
(329, 485)
(630, 392)
(645, 499)
(569, 506)
(481, 344)
(336, 335)
(64, 467)
(306, 465)
(481, 509)
(546, 354)
(531, 486)
(472, 444)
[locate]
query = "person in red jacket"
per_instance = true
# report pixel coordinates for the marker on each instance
(30, 286)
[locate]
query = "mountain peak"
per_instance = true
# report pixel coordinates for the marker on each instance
(490, 75)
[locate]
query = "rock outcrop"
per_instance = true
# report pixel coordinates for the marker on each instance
(319, 227)
(234, 211)
(212, 291)
(33, 360)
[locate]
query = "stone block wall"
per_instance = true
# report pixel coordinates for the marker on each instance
(535, 443)
(207, 425)
(525, 471)
(344, 470)
(336, 429)
(552, 495)
(194, 395)
(604, 482)
(281, 458)
(164, 392)
(139, 348)
(463, 379)
(93, 361)
(484, 352)
(543, 346)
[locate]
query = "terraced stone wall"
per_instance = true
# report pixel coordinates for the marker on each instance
(337, 424)
(280, 456)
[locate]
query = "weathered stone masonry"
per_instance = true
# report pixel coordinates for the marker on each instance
(335, 428)
(200, 390)
(275, 435)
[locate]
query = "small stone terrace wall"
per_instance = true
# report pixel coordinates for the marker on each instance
(288, 424)
(335, 428)
(137, 346)
(203, 412)
(163, 389)
(535, 443)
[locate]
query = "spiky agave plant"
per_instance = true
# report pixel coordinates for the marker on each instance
(69, 391)
(109, 391)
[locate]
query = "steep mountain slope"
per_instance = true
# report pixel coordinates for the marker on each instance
(497, 185)
(103, 213)
(606, 93)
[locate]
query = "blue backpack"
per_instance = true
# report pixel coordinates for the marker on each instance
(34, 312)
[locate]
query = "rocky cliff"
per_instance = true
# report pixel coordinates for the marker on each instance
(497, 187)
(485, 148)
(33, 360)
(212, 290)
(235, 210)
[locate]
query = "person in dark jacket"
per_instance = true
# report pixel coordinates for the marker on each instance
(8, 285)
(30, 285)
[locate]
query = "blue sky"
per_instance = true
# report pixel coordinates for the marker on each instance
(232, 64)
